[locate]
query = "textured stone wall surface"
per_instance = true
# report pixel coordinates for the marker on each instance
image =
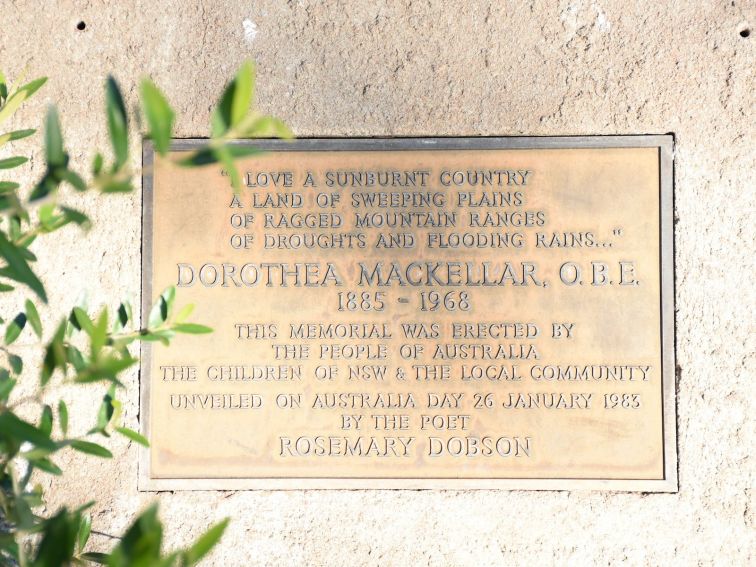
(413, 68)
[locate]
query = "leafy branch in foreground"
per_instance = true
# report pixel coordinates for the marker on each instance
(87, 346)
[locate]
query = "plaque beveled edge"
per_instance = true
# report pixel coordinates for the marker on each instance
(669, 484)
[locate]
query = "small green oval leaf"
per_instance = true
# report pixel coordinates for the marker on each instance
(85, 527)
(45, 464)
(15, 135)
(46, 421)
(6, 186)
(14, 328)
(54, 153)
(192, 329)
(15, 428)
(205, 543)
(11, 162)
(133, 435)
(33, 316)
(18, 97)
(96, 557)
(159, 115)
(82, 319)
(117, 122)
(63, 416)
(18, 268)
(17, 363)
(91, 448)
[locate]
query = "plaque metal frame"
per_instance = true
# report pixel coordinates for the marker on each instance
(665, 145)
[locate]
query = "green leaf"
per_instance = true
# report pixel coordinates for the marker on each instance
(244, 92)
(117, 122)
(192, 329)
(76, 217)
(133, 435)
(105, 413)
(36, 453)
(14, 328)
(49, 217)
(18, 97)
(84, 507)
(11, 427)
(158, 313)
(45, 464)
(91, 448)
(18, 269)
(227, 159)
(6, 386)
(162, 336)
(63, 416)
(99, 334)
(83, 321)
(95, 557)
(76, 358)
(8, 186)
(97, 164)
(207, 155)
(47, 214)
(267, 127)
(54, 153)
(15, 135)
(48, 184)
(11, 162)
(205, 543)
(185, 312)
(159, 114)
(117, 410)
(118, 187)
(85, 527)
(14, 231)
(34, 496)
(140, 545)
(9, 200)
(57, 545)
(55, 355)
(107, 369)
(203, 156)
(226, 112)
(33, 316)
(17, 363)
(113, 366)
(169, 296)
(46, 420)
(234, 102)
(73, 179)
(25, 517)
(124, 313)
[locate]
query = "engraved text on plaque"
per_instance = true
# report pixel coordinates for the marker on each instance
(410, 313)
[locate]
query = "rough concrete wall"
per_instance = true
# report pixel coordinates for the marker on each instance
(370, 68)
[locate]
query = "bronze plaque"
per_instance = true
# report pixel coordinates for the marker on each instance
(415, 313)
